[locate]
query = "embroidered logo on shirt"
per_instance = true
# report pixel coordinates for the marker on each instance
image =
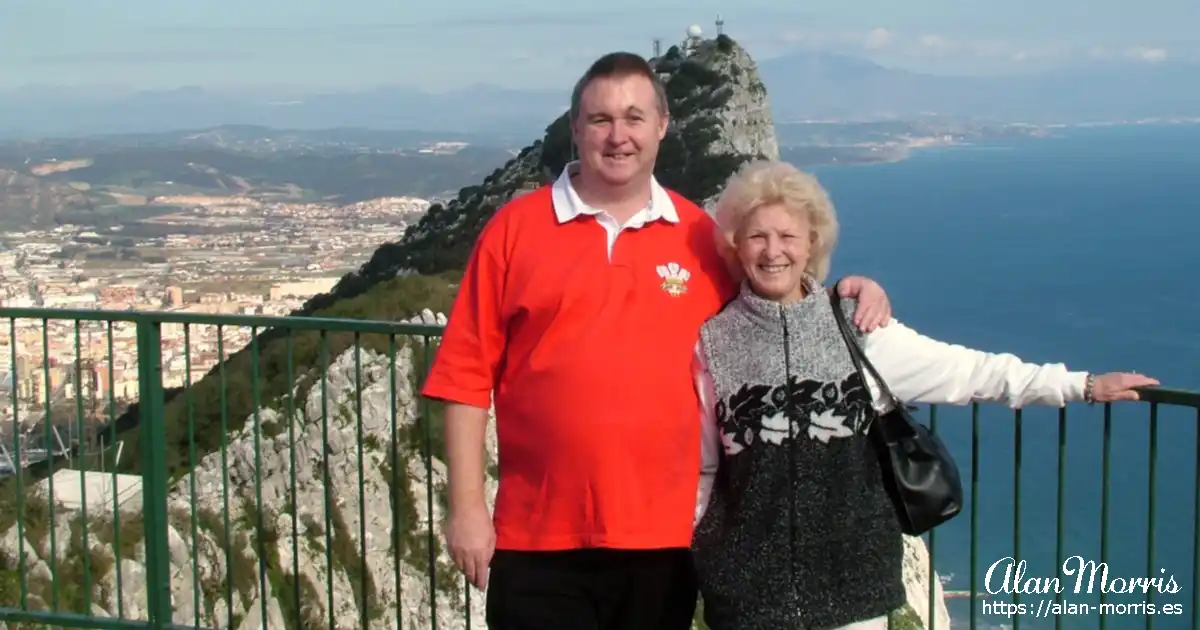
(674, 278)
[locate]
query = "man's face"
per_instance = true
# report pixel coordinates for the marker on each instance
(618, 128)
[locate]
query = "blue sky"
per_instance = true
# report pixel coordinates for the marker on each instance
(355, 44)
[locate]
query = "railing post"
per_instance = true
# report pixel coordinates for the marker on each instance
(152, 436)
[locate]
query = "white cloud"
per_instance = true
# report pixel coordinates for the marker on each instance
(1149, 55)
(793, 37)
(822, 38)
(1146, 54)
(877, 39)
(936, 46)
(936, 50)
(935, 43)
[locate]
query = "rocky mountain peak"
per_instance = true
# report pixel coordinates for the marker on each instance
(744, 122)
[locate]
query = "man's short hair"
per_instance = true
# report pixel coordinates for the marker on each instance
(619, 65)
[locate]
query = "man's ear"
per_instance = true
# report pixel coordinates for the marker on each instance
(664, 126)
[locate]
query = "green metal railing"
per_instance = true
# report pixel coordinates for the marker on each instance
(297, 482)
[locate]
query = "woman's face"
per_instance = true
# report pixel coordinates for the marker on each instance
(773, 247)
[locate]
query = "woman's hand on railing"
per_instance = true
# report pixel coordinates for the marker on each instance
(1117, 386)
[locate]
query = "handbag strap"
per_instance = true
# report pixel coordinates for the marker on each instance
(856, 352)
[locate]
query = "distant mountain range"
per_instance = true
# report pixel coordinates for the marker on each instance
(511, 116)
(253, 139)
(808, 86)
(110, 180)
(802, 86)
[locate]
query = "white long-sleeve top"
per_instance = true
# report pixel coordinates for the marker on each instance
(917, 369)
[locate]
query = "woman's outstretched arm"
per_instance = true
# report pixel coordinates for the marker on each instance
(920, 369)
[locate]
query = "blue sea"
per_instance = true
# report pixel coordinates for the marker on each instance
(1082, 249)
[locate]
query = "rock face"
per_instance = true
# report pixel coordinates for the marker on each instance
(917, 577)
(745, 126)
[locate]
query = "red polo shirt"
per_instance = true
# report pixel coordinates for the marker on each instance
(589, 361)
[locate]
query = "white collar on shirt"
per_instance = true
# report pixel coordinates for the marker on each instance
(568, 205)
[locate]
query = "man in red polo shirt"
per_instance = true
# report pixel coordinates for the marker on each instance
(579, 310)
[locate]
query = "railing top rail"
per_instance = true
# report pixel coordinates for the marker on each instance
(1167, 396)
(331, 324)
(1159, 395)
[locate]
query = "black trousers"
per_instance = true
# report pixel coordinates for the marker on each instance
(591, 589)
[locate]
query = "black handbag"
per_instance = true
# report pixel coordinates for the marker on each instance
(919, 474)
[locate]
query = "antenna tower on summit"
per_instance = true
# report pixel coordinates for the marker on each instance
(720, 25)
(657, 46)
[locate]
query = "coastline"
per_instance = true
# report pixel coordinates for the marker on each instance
(871, 154)
(904, 147)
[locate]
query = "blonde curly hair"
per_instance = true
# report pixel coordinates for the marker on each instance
(767, 182)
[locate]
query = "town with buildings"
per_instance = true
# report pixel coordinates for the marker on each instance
(215, 255)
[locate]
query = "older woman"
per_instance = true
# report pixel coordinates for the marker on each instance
(794, 527)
